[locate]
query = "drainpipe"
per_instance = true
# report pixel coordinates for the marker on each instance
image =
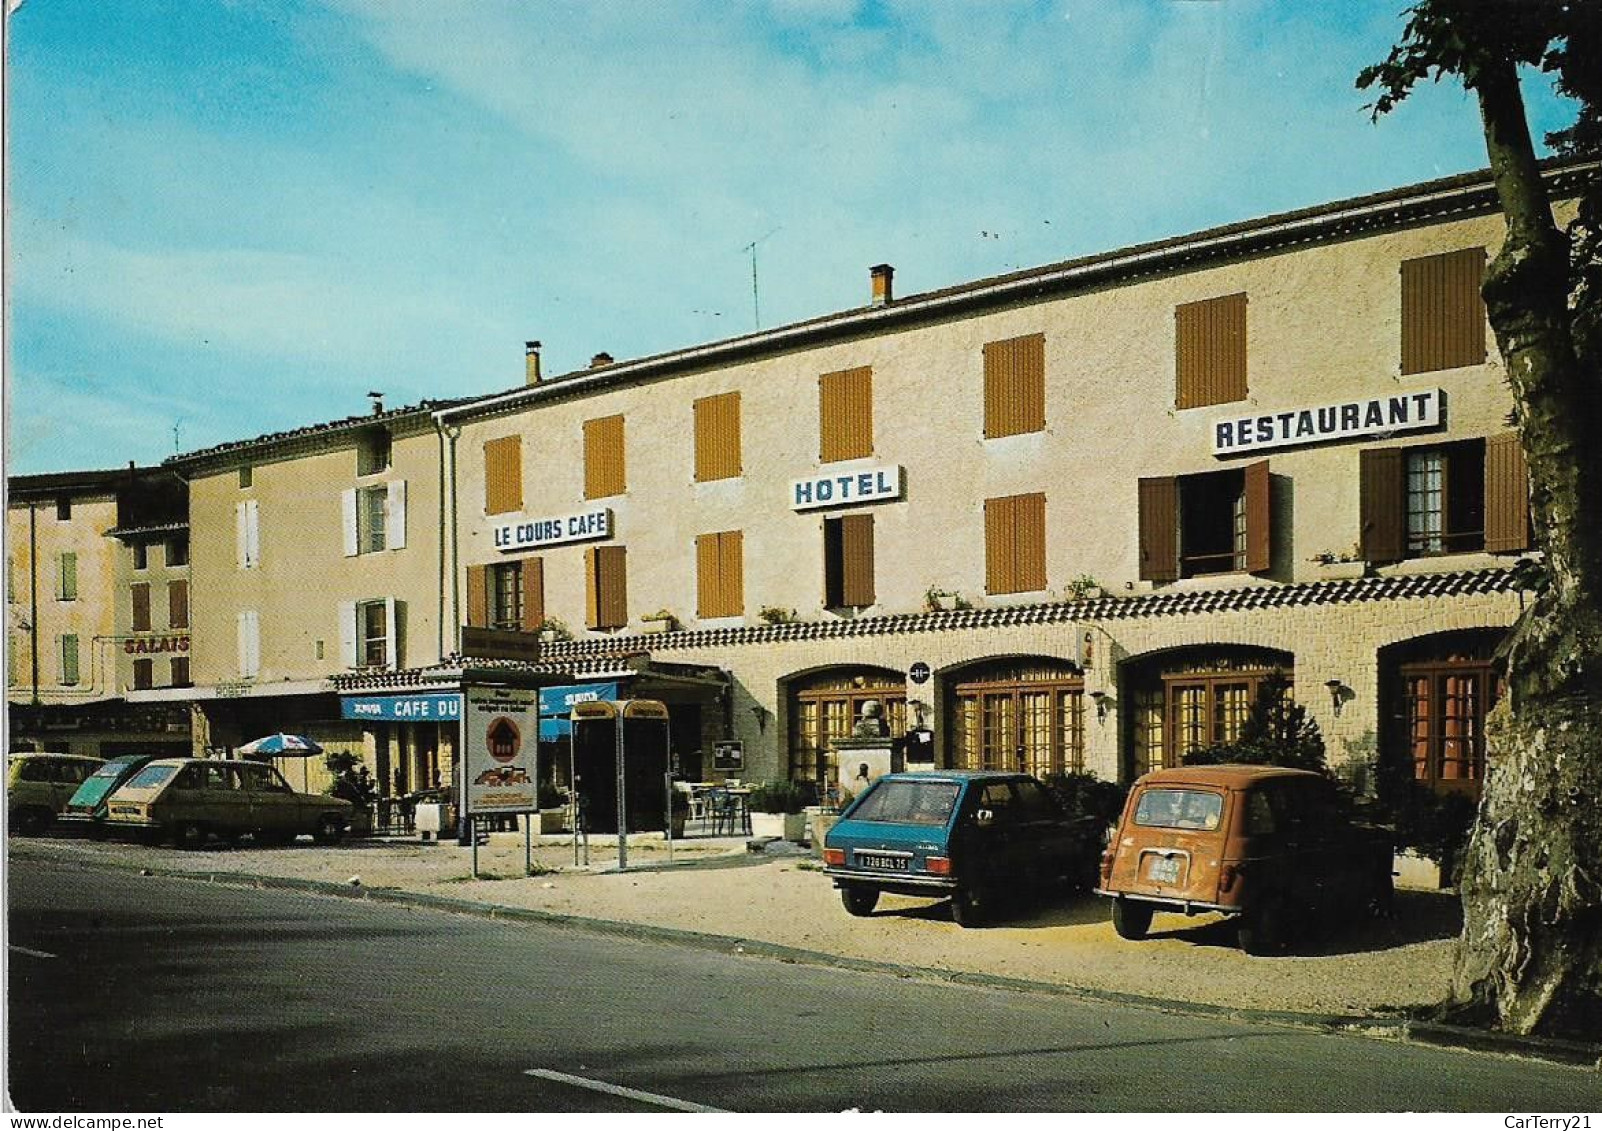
(448, 435)
(33, 594)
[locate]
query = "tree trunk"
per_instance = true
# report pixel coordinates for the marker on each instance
(1530, 956)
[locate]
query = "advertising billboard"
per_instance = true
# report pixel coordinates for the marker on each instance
(501, 728)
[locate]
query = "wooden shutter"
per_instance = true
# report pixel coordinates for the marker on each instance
(706, 575)
(395, 515)
(503, 475)
(856, 560)
(1381, 500)
(141, 606)
(1210, 351)
(720, 574)
(1507, 495)
(1015, 386)
(606, 587)
(1259, 519)
(999, 564)
(1159, 529)
(604, 472)
(478, 596)
(178, 604)
(717, 437)
(533, 582)
(347, 502)
(845, 415)
(1015, 544)
(1443, 315)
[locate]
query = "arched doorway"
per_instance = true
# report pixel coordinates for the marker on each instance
(825, 705)
(1017, 714)
(1189, 698)
(1435, 692)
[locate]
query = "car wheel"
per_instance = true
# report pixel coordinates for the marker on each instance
(29, 822)
(1131, 919)
(1382, 899)
(1265, 929)
(187, 834)
(858, 899)
(967, 908)
(330, 829)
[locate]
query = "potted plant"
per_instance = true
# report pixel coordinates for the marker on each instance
(553, 629)
(773, 614)
(662, 620)
(787, 798)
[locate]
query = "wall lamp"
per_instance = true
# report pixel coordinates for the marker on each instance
(1337, 693)
(1103, 702)
(762, 716)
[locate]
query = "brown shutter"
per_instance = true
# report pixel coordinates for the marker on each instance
(1381, 500)
(1000, 565)
(1029, 542)
(604, 470)
(1159, 529)
(478, 596)
(845, 415)
(1210, 351)
(1015, 386)
(141, 606)
(533, 581)
(606, 601)
(1443, 315)
(1259, 519)
(178, 604)
(1507, 495)
(731, 571)
(706, 575)
(856, 559)
(717, 437)
(503, 475)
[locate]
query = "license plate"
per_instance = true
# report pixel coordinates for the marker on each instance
(1163, 869)
(889, 863)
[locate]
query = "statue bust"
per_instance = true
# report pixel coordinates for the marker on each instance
(872, 722)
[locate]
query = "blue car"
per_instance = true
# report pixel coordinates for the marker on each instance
(975, 836)
(87, 807)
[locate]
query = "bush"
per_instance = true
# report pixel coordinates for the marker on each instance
(1435, 825)
(1276, 732)
(1086, 795)
(780, 797)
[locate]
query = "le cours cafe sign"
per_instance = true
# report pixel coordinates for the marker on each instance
(1376, 416)
(553, 530)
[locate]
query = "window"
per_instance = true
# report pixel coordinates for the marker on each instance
(1020, 718)
(373, 452)
(826, 707)
(247, 534)
(1436, 692)
(1015, 544)
(1452, 498)
(178, 604)
(140, 591)
(606, 603)
(1214, 522)
(845, 415)
(249, 634)
(604, 471)
(180, 671)
(67, 576)
(503, 475)
(1443, 315)
(144, 674)
(717, 437)
(720, 574)
(848, 561)
(375, 518)
(372, 646)
(64, 509)
(1196, 698)
(1210, 351)
(371, 633)
(141, 555)
(69, 660)
(507, 595)
(1015, 386)
(177, 551)
(247, 476)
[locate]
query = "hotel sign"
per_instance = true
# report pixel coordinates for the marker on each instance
(553, 530)
(875, 484)
(1376, 416)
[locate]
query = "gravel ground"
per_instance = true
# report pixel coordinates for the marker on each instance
(717, 887)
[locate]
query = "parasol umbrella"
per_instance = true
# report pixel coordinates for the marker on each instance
(280, 746)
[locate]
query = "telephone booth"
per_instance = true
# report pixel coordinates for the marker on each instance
(620, 757)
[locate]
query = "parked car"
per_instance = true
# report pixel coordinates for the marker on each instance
(86, 809)
(1272, 846)
(38, 787)
(187, 799)
(971, 835)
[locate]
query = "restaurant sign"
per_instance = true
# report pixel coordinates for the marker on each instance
(1376, 416)
(553, 530)
(502, 726)
(876, 484)
(429, 707)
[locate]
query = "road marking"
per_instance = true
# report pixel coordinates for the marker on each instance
(31, 953)
(618, 1090)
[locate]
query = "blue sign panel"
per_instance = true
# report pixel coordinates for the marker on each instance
(556, 703)
(429, 707)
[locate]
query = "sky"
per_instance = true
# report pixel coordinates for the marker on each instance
(227, 218)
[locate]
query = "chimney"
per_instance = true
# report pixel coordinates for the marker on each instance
(882, 276)
(600, 359)
(531, 362)
(378, 401)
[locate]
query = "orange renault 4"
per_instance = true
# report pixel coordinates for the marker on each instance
(1270, 845)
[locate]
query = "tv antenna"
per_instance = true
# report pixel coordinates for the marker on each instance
(756, 308)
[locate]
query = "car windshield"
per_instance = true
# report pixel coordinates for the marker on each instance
(110, 770)
(1179, 809)
(151, 776)
(908, 802)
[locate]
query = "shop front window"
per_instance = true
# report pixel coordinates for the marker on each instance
(1188, 703)
(827, 708)
(1028, 718)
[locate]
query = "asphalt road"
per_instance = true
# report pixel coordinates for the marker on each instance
(131, 993)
